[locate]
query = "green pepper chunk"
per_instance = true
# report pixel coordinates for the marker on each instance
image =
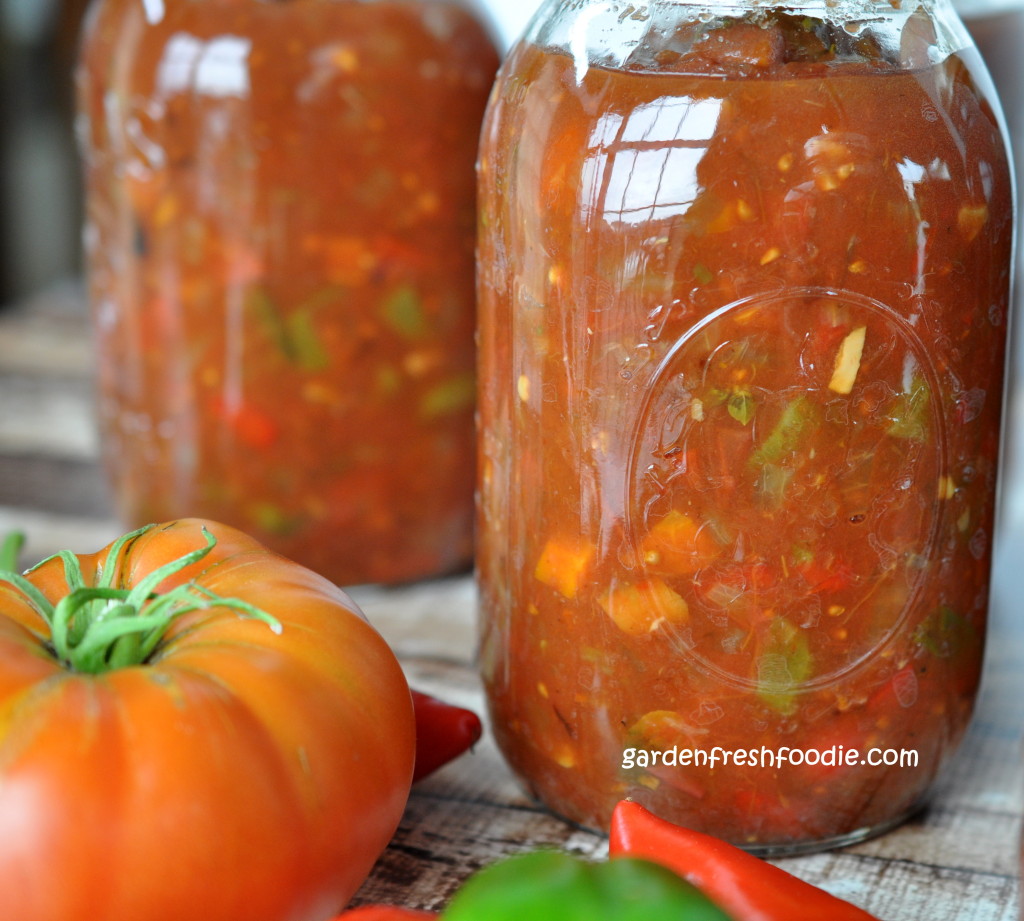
(784, 665)
(553, 886)
(402, 310)
(910, 413)
(946, 633)
(702, 274)
(800, 418)
(741, 406)
(306, 349)
(453, 395)
(294, 332)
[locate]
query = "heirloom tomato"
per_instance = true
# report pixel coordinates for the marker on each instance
(192, 727)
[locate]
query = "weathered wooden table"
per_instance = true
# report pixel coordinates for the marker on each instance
(957, 861)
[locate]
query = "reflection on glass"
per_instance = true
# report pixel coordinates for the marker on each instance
(218, 67)
(645, 163)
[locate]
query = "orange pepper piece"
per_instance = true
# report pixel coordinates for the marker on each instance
(562, 565)
(643, 607)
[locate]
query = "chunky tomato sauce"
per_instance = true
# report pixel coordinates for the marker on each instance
(743, 327)
(281, 234)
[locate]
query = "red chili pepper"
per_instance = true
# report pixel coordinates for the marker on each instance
(384, 913)
(748, 888)
(443, 732)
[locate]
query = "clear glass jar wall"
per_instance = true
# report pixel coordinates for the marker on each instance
(744, 284)
(280, 239)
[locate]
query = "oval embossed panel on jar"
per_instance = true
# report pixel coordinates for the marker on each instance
(755, 467)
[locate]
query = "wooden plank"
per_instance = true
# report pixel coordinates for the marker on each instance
(898, 890)
(58, 348)
(49, 334)
(968, 840)
(434, 619)
(445, 837)
(64, 301)
(47, 532)
(62, 485)
(46, 415)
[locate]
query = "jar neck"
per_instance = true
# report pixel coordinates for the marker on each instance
(642, 10)
(616, 33)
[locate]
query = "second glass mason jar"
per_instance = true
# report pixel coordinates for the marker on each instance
(744, 290)
(281, 220)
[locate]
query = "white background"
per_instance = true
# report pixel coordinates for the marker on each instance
(510, 16)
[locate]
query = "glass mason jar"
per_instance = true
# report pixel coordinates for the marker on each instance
(280, 240)
(744, 281)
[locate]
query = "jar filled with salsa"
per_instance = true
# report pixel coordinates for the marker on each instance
(280, 240)
(744, 281)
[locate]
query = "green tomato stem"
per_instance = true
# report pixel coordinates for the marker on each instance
(95, 629)
(9, 550)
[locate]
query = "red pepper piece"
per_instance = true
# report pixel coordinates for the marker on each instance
(823, 578)
(443, 732)
(253, 427)
(748, 888)
(384, 913)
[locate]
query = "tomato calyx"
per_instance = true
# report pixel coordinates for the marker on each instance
(99, 628)
(10, 547)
